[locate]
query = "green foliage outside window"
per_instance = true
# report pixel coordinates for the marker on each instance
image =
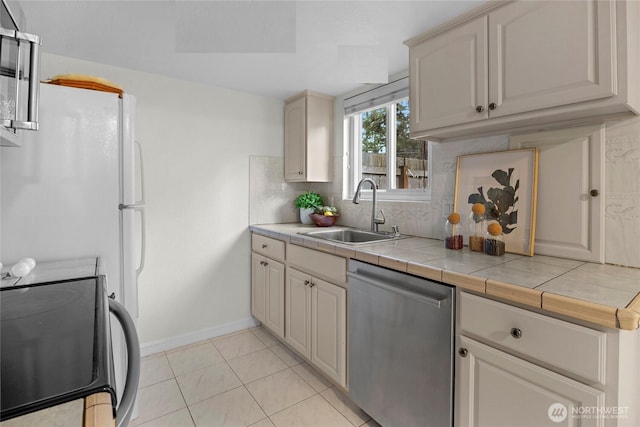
(374, 132)
(409, 155)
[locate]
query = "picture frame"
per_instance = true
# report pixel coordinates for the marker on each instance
(506, 182)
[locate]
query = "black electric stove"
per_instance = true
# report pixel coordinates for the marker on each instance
(55, 344)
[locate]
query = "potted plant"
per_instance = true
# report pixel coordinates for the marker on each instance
(307, 203)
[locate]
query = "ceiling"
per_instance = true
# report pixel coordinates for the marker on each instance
(273, 48)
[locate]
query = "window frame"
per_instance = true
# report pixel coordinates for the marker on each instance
(352, 136)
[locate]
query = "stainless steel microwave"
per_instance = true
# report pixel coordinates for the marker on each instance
(19, 73)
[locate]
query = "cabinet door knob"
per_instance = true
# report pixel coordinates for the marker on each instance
(492, 106)
(306, 283)
(264, 245)
(516, 333)
(594, 193)
(479, 109)
(463, 352)
(299, 172)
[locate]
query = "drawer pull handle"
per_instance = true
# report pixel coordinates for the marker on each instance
(264, 245)
(516, 333)
(463, 352)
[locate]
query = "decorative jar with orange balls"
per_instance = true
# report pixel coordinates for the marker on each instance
(453, 232)
(494, 240)
(477, 227)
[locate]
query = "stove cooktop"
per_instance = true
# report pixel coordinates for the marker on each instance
(55, 344)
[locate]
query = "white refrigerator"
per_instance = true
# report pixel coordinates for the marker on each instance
(75, 190)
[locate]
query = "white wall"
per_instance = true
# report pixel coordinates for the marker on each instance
(197, 140)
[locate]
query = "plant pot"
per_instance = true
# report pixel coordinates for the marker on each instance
(323, 220)
(304, 215)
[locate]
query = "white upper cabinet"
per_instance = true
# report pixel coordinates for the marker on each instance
(308, 138)
(450, 73)
(545, 54)
(570, 180)
(519, 64)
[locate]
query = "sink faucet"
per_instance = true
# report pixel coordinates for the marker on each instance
(356, 199)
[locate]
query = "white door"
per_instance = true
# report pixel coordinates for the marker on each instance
(298, 311)
(495, 389)
(570, 208)
(295, 130)
(329, 310)
(274, 294)
(448, 78)
(549, 53)
(258, 287)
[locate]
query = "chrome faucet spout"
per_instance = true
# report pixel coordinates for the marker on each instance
(356, 199)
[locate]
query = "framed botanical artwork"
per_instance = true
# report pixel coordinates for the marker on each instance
(506, 182)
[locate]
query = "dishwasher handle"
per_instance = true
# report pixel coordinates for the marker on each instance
(438, 303)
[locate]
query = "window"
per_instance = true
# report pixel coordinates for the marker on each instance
(380, 149)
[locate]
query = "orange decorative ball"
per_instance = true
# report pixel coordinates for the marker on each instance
(477, 208)
(494, 229)
(454, 218)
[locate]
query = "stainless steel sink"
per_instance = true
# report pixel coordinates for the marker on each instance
(351, 236)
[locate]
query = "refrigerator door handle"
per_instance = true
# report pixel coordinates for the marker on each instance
(141, 169)
(143, 234)
(139, 202)
(143, 241)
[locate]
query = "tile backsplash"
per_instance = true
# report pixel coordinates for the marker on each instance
(272, 198)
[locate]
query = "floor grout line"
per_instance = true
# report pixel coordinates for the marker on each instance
(311, 374)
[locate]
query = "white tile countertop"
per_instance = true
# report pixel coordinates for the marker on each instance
(603, 294)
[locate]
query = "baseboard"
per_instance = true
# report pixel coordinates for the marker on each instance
(193, 337)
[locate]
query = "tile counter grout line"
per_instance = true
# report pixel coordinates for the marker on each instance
(633, 303)
(562, 274)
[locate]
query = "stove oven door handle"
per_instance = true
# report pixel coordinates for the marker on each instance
(125, 408)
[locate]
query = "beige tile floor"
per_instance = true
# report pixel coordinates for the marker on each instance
(243, 379)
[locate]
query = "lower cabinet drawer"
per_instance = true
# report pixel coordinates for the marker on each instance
(575, 349)
(267, 246)
(331, 267)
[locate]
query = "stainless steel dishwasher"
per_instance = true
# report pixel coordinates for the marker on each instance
(400, 347)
